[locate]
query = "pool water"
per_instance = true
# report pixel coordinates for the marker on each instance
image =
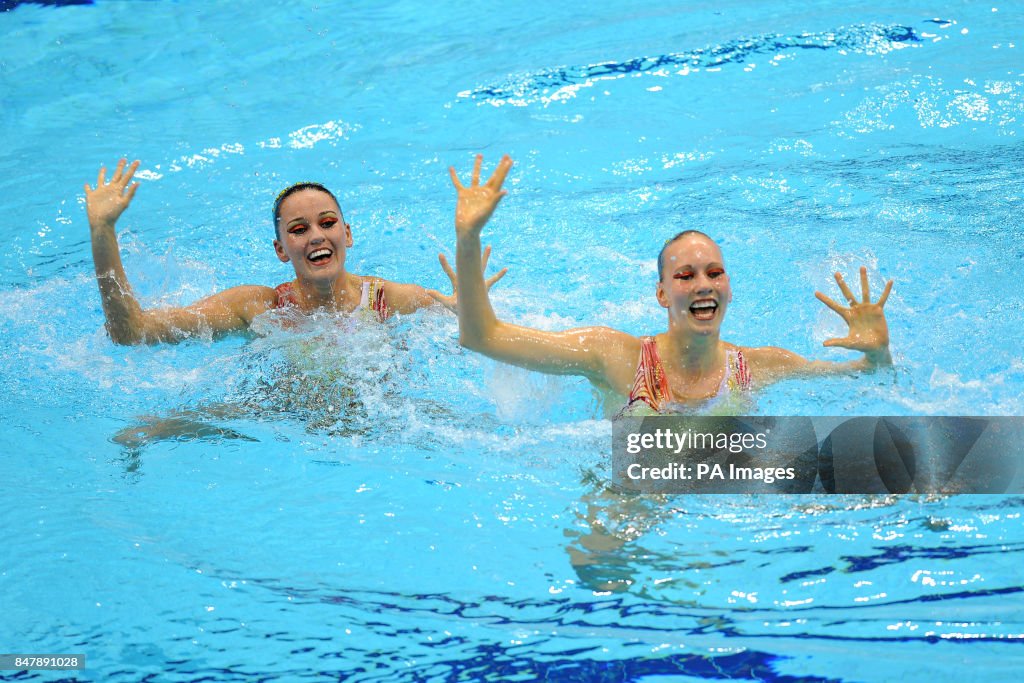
(343, 501)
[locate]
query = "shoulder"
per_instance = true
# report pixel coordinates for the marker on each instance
(226, 311)
(246, 301)
(606, 338)
(768, 363)
(617, 352)
(396, 290)
(258, 293)
(399, 296)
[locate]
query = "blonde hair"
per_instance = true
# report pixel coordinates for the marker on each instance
(671, 240)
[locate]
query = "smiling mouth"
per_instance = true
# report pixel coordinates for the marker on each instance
(320, 256)
(704, 310)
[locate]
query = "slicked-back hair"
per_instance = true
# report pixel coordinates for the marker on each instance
(292, 189)
(672, 240)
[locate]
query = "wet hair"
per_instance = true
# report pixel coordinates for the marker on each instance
(671, 240)
(292, 189)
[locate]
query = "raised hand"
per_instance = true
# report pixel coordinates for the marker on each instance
(451, 302)
(477, 202)
(868, 330)
(107, 202)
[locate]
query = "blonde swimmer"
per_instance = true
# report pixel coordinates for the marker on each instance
(684, 367)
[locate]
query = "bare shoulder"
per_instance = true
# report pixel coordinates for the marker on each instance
(771, 363)
(395, 290)
(771, 357)
(607, 335)
(255, 293)
(231, 310)
(618, 351)
(605, 341)
(245, 301)
(401, 297)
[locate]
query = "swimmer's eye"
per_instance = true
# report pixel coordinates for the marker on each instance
(685, 275)
(328, 223)
(298, 229)
(716, 272)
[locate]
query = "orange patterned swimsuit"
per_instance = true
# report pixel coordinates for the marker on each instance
(651, 384)
(372, 298)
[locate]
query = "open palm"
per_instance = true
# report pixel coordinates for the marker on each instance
(105, 204)
(477, 202)
(868, 331)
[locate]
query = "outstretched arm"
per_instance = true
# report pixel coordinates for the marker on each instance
(587, 351)
(474, 206)
(868, 332)
(126, 322)
(104, 205)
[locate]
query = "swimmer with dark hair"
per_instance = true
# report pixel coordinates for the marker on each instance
(686, 367)
(310, 233)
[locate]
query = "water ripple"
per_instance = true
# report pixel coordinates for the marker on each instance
(561, 82)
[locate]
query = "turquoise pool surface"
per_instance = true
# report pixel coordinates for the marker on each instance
(374, 503)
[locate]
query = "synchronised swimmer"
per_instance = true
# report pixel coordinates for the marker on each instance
(685, 368)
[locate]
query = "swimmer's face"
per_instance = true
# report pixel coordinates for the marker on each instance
(312, 235)
(694, 285)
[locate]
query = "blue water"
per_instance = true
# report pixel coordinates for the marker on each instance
(378, 504)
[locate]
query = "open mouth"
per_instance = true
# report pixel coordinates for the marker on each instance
(320, 256)
(704, 309)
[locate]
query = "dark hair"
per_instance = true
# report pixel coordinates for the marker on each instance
(292, 189)
(684, 233)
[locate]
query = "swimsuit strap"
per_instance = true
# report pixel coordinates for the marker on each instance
(285, 295)
(372, 297)
(650, 384)
(364, 298)
(378, 303)
(737, 371)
